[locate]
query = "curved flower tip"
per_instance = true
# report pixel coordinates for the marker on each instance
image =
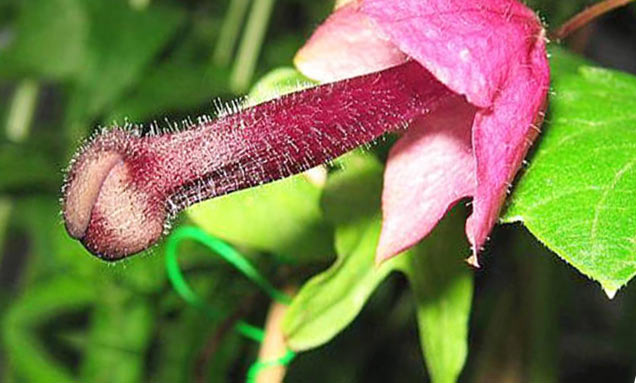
(473, 261)
(491, 52)
(346, 45)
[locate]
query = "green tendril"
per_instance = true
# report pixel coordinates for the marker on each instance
(241, 263)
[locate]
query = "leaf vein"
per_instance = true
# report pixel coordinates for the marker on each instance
(600, 206)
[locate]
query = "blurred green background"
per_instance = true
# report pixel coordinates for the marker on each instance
(70, 66)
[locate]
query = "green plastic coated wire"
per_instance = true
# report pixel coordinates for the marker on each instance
(236, 259)
(259, 366)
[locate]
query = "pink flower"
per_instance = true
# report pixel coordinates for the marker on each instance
(471, 81)
(490, 51)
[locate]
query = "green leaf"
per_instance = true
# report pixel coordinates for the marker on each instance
(578, 194)
(26, 353)
(440, 279)
(442, 285)
(50, 39)
(331, 300)
(283, 217)
(122, 323)
(563, 62)
(353, 193)
(276, 83)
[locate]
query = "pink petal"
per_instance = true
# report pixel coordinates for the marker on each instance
(429, 169)
(470, 46)
(502, 137)
(492, 51)
(346, 45)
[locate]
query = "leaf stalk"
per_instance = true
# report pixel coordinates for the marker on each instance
(585, 17)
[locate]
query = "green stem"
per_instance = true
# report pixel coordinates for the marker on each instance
(229, 32)
(251, 44)
(21, 110)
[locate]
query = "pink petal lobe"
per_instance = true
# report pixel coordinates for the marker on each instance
(468, 45)
(346, 45)
(429, 169)
(502, 137)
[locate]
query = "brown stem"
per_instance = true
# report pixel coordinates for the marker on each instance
(585, 16)
(273, 345)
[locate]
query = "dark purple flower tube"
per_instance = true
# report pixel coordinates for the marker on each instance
(122, 189)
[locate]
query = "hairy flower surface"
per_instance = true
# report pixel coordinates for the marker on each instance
(470, 79)
(123, 188)
(490, 51)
